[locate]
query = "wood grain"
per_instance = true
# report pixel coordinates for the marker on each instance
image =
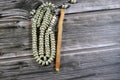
(80, 66)
(90, 45)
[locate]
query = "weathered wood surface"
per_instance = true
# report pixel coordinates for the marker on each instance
(90, 49)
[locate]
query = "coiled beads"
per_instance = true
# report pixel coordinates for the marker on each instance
(43, 37)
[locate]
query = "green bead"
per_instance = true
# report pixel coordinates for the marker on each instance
(73, 1)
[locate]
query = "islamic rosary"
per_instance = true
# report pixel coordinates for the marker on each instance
(45, 45)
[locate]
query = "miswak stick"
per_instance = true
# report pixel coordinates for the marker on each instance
(59, 39)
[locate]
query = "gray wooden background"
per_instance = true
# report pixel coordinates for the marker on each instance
(90, 46)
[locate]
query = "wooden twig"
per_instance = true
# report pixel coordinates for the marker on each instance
(59, 39)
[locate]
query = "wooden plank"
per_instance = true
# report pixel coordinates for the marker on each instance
(89, 30)
(84, 5)
(92, 65)
(24, 7)
(93, 5)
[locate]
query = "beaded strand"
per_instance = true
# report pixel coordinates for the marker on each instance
(43, 21)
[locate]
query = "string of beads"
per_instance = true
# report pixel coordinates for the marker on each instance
(43, 36)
